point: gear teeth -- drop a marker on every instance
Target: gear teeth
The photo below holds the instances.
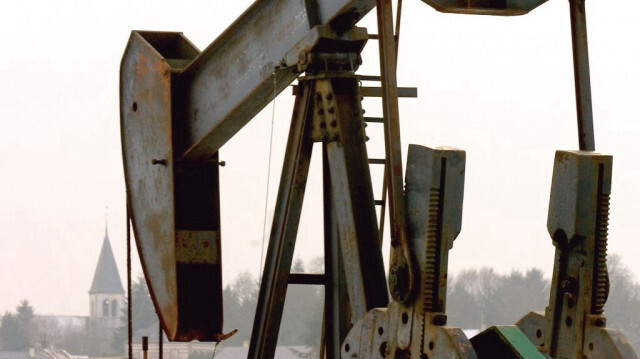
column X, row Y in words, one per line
column 601, row 274
column 430, row 285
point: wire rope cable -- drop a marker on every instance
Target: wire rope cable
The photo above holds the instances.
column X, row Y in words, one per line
column 266, row 200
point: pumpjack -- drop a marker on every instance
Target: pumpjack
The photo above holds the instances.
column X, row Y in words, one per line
column 179, row 106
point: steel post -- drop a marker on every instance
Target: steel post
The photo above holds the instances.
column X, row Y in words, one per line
column 336, row 321
column 582, row 79
column 286, row 218
column 353, row 201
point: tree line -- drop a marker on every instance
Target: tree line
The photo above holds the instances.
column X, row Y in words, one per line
column 476, row 299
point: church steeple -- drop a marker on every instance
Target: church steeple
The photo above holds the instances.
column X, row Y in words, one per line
column 106, row 221
column 106, row 278
column 106, row 296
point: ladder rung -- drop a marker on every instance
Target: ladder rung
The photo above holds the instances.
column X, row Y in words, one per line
column 377, row 37
column 307, row 278
column 377, row 161
column 377, row 91
column 374, row 119
column 379, row 202
column 369, row 77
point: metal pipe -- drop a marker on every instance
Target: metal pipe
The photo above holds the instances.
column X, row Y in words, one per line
column 581, row 75
column 160, row 338
column 401, row 277
column 129, row 309
column 145, row 347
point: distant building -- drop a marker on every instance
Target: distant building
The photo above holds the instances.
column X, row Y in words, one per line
column 106, row 296
column 39, row 354
column 195, row 349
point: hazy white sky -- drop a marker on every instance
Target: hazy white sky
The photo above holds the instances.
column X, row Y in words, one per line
column 499, row 88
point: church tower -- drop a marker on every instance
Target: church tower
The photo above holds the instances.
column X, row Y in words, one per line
column 106, row 295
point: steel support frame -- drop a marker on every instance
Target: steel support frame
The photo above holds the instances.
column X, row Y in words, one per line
column 336, row 322
column 286, row 218
column 355, row 270
column 233, row 78
column 353, row 203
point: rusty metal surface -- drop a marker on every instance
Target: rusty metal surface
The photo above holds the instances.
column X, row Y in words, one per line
column 607, row 343
column 146, row 135
column 353, row 198
column 286, row 218
column 577, row 223
column 322, row 38
column 336, row 320
column 352, row 228
column 573, row 325
column 401, row 276
column 174, row 204
column 380, row 334
column 486, row 7
column 232, row 80
column 534, row 326
column 434, row 196
column 367, row 91
column 574, row 191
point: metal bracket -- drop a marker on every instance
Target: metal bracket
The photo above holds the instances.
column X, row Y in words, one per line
column 573, row 325
column 325, row 122
column 323, row 39
column 486, row 7
column 434, row 193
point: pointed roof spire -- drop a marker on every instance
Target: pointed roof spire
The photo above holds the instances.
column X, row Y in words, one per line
column 106, row 221
column 106, row 278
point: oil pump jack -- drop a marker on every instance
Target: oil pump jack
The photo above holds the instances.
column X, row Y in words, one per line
column 179, row 106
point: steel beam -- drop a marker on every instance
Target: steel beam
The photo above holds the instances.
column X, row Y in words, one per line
column 485, row 7
column 286, row 218
column 336, row 320
column 352, row 200
column 233, row 78
column 174, row 204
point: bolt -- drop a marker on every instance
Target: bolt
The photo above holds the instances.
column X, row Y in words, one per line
column 222, row 163
column 158, row 162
